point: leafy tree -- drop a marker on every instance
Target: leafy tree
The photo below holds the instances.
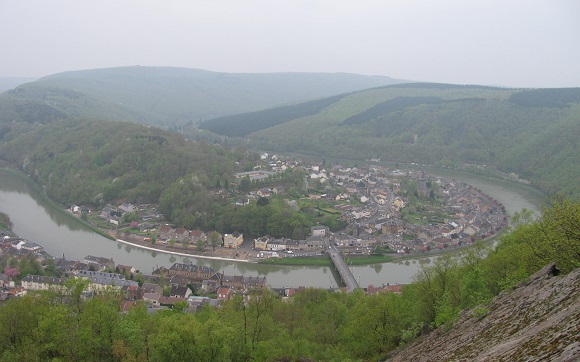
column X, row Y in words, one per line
column 556, row 235
column 5, row 221
column 130, row 217
column 263, row 201
column 214, row 239
column 245, row 184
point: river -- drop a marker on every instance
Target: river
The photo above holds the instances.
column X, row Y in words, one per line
column 38, row 221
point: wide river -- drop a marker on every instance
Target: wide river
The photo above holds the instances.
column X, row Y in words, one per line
column 38, row 221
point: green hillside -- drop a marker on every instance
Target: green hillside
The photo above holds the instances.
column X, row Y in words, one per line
column 530, row 133
column 170, row 97
column 90, row 162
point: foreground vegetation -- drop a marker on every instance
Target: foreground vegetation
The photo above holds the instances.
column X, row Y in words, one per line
column 315, row 324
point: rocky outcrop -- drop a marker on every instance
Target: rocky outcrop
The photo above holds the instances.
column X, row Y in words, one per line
column 537, row 321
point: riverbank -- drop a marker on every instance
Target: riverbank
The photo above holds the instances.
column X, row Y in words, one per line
column 182, row 254
column 244, row 256
column 4, row 167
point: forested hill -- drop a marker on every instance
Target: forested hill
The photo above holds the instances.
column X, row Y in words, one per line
column 91, row 162
column 169, row 97
column 530, row 133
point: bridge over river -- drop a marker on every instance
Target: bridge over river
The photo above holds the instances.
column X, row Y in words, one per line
column 345, row 273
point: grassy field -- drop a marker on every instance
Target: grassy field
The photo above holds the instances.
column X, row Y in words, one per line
column 325, row 260
column 365, row 260
column 318, row 261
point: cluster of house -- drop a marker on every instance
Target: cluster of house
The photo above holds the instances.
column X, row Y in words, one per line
column 371, row 201
column 114, row 214
column 207, row 280
column 180, row 279
column 319, row 239
column 167, row 232
column 375, row 219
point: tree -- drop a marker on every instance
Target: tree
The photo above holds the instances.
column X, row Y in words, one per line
column 245, row 184
column 200, row 244
column 214, row 239
column 5, row 221
column 263, row 201
column 556, row 235
column 131, row 216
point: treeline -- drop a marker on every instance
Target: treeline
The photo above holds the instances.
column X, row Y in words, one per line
column 557, row 97
column 390, row 106
column 313, row 325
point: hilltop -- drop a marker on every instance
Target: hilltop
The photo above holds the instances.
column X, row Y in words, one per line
column 7, row 83
column 521, row 134
column 170, row 97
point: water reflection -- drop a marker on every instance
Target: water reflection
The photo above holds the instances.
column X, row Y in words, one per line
column 20, row 185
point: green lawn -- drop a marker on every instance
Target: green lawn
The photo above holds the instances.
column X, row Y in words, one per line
column 325, row 260
column 318, row 261
column 365, row 260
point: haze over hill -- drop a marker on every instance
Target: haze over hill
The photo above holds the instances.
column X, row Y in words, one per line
column 7, row 83
column 169, row 97
column 531, row 133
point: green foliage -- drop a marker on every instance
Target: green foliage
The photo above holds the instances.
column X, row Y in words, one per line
column 131, row 216
column 556, row 235
column 314, row 325
column 88, row 162
column 215, row 239
column 445, row 312
column 5, row 222
column 546, row 97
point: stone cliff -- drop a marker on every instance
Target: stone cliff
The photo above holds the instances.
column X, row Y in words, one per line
column 537, row 321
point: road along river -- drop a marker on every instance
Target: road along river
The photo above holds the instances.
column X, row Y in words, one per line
column 36, row 219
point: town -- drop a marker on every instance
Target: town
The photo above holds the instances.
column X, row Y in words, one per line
column 385, row 210
column 400, row 211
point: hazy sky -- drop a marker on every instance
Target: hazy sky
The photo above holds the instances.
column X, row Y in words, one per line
column 528, row 43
